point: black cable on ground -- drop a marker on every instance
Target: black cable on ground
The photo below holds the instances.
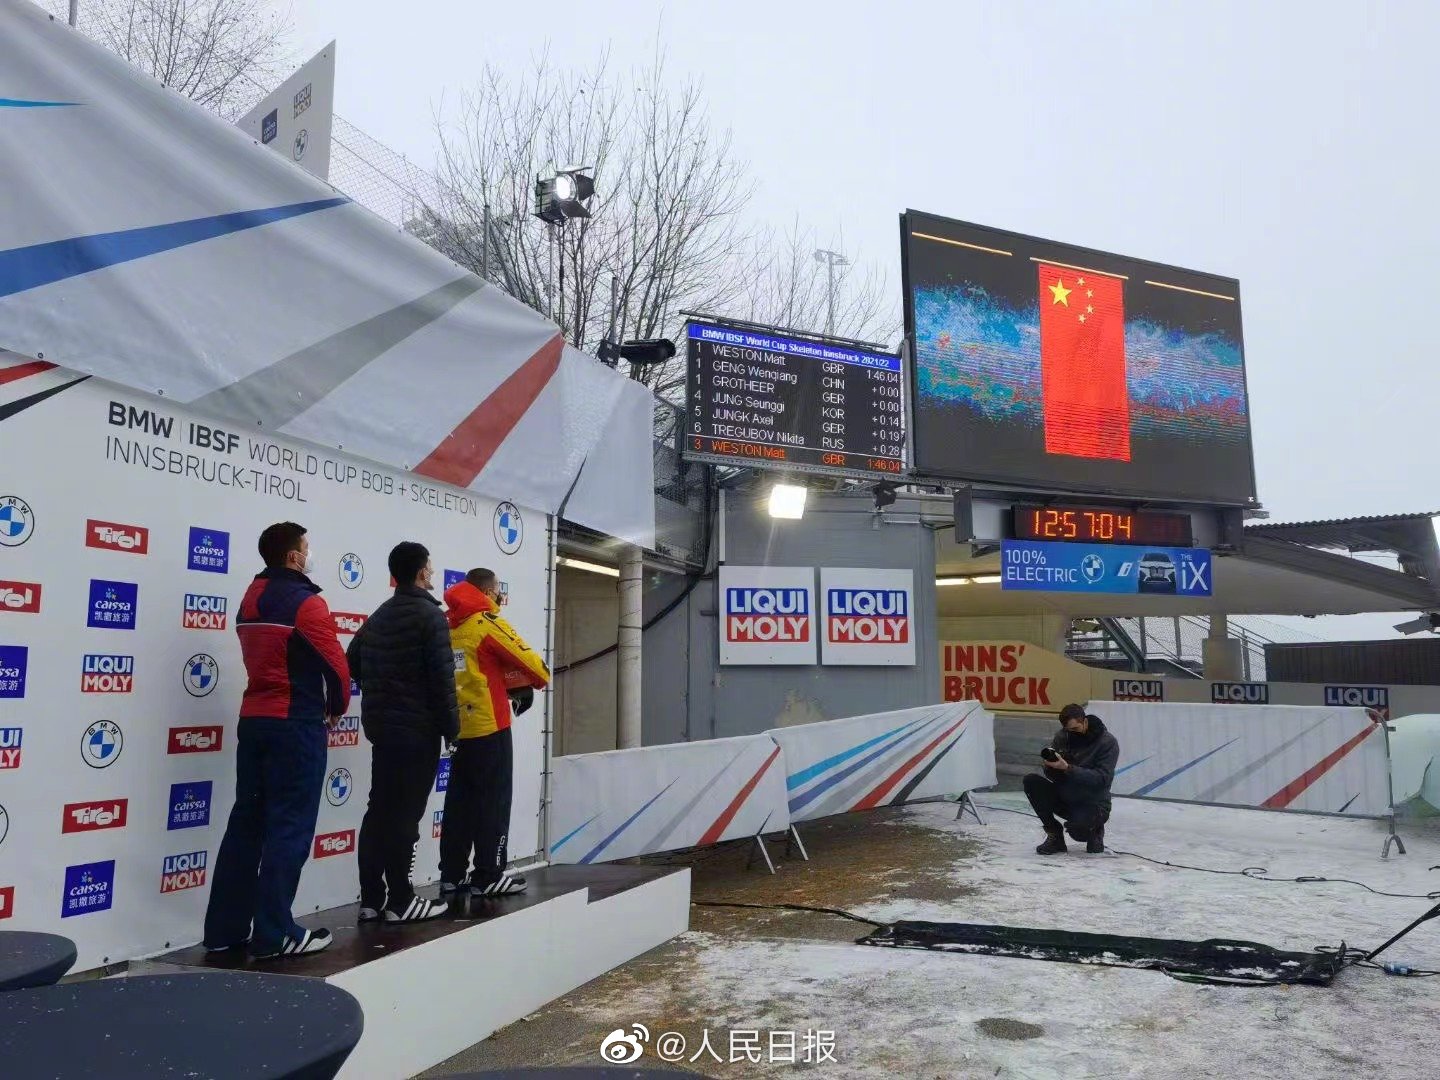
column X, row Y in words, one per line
column 791, row 907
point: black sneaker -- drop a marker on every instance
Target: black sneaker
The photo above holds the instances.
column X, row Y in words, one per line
column 418, row 910
column 1096, row 844
column 311, row 941
column 227, row 948
column 506, row 885
column 1054, row 843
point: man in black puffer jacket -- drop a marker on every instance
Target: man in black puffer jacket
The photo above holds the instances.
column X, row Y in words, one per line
column 1076, row 782
column 402, row 660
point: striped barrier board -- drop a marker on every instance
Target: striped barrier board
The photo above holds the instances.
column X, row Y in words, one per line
column 622, row 803
column 1270, row 757
column 884, row 759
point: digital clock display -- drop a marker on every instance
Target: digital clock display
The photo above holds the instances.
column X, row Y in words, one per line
column 1102, row 525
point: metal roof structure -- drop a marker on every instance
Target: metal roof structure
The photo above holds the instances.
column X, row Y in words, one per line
column 1414, row 539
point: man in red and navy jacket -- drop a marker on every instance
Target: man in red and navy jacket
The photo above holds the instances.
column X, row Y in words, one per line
column 298, row 681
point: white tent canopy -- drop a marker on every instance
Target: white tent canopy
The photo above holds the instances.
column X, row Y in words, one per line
column 147, row 242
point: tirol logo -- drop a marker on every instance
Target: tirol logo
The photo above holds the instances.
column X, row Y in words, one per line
column 11, row 739
column 1375, row 698
column 101, row 744
column 201, row 675
column 209, row 551
column 509, row 528
column 114, row 605
column 7, row 897
column 453, row 578
column 437, row 824
column 22, row 597
column 346, row 732
column 754, row 614
column 108, row 536
column 352, row 570
column 14, row 660
column 334, row 843
column 181, row 872
column 205, row 612
column 196, row 740
column 93, row 816
column 338, row 786
column 1239, row 693
column 190, row 805
column 442, row 775
column 17, row 521
column 104, row 673
column 88, row 887
column 348, row 622
column 1139, row 690
column 867, row 616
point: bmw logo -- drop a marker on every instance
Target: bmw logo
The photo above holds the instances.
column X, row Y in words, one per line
column 509, row 528
column 17, row 521
column 101, row 744
column 338, row 786
column 4, row 824
column 202, row 675
column 302, row 142
column 352, row 570
column 1093, row 567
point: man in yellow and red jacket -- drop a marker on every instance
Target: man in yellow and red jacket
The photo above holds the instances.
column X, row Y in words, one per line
column 491, row 660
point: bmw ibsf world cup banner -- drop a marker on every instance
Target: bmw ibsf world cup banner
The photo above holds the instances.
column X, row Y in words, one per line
column 1045, row 566
column 869, row 616
column 128, row 531
column 767, row 615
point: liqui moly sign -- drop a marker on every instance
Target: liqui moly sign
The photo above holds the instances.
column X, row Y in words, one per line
column 767, row 615
column 1374, row 698
column 869, row 616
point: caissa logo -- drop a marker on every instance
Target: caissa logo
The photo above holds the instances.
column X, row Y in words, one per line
column 190, row 804
column 88, row 887
column 509, row 528
column 101, row 744
column 113, row 605
column 17, row 521
column 338, row 786
column 14, row 662
column 352, row 570
column 209, row 551
column 442, row 775
column 201, row 675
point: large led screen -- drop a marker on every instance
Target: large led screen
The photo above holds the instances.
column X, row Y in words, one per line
column 1049, row 366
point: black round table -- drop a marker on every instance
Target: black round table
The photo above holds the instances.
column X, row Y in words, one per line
column 28, row 959
column 216, row 1025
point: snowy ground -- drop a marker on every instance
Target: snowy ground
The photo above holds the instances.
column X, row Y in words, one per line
column 898, row 1013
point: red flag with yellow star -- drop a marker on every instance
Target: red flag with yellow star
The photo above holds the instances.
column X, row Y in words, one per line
column 1082, row 364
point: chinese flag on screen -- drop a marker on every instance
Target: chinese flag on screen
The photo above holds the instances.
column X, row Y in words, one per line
column 1082, row 364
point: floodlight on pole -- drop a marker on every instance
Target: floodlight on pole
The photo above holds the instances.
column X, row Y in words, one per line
column 564, row 195
column 831, row 259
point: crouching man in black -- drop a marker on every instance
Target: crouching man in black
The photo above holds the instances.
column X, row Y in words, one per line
column 1079, row 768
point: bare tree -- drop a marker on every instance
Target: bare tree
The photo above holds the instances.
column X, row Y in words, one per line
column 787, row 289
column 668, row 226
column 222, row 54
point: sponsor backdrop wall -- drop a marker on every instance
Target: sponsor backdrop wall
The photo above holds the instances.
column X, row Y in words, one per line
column 127, row 538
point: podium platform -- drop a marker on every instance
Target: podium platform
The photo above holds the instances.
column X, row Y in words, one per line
column 431, row 989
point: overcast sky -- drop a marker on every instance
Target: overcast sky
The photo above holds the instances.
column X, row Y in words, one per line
column 1289, row 144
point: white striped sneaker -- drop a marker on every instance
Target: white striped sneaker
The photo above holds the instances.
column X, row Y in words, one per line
column 418, row 910
column 312, row 941
column 507, row 885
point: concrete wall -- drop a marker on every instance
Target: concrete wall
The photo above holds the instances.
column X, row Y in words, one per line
column 689, row 696
column 587, row 608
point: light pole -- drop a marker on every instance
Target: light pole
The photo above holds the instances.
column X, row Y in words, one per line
column 831, row 259
column 74, row 11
